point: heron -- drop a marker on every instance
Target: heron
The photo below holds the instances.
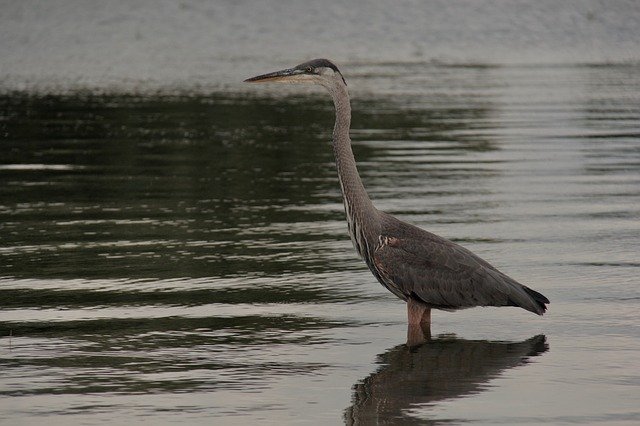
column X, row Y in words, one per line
column 423, row 269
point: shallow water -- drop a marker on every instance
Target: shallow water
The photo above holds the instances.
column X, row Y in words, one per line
column 185, row 258
column 195, row 45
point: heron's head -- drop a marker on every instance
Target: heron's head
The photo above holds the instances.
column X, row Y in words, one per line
column 317, row 71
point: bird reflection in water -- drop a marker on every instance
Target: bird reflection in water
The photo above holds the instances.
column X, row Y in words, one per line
column 441, row 368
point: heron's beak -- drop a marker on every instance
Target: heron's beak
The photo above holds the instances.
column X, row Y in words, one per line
column 290, row 75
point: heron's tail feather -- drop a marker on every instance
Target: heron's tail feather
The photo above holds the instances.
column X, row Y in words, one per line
column 540, row 300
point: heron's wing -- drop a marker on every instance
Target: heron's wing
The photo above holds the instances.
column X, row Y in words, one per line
column 445, row 275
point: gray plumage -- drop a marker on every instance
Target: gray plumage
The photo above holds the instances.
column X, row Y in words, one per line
column 415, row 265
column 443, row 274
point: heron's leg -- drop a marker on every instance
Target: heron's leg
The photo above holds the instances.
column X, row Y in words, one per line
column 419, row 322
column 418, row 334
column 418, row 313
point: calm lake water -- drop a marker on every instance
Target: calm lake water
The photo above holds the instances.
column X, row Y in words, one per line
column 185, row 258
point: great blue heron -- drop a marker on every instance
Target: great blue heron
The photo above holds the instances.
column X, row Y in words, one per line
column 421, row 268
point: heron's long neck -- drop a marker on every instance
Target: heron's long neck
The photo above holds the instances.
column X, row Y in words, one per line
column 361, row 214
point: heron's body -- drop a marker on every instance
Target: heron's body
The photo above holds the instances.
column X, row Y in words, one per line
column 421, row 268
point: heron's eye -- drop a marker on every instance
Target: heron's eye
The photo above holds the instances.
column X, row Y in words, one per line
column 309, row 69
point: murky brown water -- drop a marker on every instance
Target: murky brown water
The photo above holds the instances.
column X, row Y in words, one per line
column 185, row 259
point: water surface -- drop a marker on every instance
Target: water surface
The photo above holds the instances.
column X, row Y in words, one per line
column 182, row 259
